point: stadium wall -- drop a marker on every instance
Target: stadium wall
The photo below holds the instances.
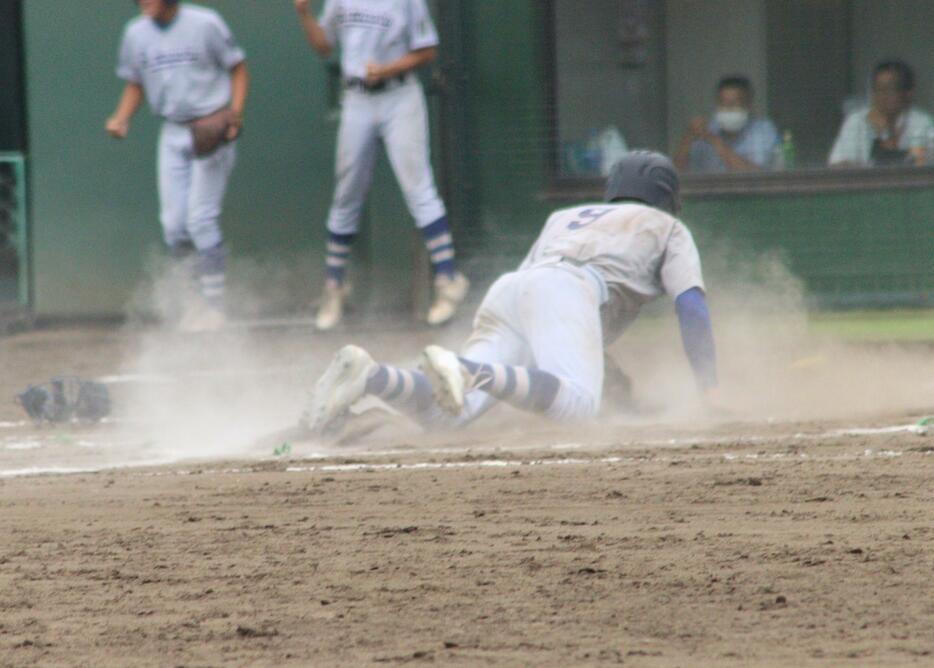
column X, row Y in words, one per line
column 94, row 217
column 94, row 202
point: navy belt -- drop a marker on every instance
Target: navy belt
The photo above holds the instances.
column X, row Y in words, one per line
column 356, row 83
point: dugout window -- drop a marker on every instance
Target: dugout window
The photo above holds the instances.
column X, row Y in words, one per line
column 635, row 73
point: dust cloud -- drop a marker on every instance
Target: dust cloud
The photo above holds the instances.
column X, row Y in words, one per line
column 209, row 395
column 218, row 395
column 772, row 363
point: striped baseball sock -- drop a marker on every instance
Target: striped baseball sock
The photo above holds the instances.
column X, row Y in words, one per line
column 212, row 264
column 440, row 245
column 522, row 387
column 338, row 255
column 409, row 391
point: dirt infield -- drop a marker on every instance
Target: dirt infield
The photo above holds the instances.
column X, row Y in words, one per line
column 654, row 542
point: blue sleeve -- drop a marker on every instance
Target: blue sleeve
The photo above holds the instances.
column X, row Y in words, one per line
column 697, row 336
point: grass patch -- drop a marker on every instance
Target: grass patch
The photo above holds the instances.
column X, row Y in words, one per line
column 876, row 326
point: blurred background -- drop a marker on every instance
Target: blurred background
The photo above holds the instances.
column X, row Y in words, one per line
column 772, row 108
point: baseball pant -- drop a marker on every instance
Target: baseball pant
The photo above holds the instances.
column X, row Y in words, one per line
column 398, row 116
column 191, row 190
column 546, row 318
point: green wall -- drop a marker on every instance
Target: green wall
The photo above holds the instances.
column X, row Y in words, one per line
column 94, row 209
column 508, row 117
column 870, row 248
column 94, row 215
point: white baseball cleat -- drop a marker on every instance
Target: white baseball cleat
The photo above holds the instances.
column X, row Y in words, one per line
column 449, row 292
column 447, row 377
column 341, row 385
column 331, row 306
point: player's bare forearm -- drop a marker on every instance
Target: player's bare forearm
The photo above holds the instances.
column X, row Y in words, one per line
column 407, row 63
column 314, row 33
column 683, row 154
column 239, row 88
column 118, row 125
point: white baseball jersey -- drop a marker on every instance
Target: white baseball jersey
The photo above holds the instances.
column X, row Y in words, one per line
column 184, row 67
column 376, row 31
column 639, row 252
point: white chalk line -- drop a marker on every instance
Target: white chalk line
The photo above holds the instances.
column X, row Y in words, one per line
column 210, row 374
column 867, row 454
column 516, row 463
column 644, row 444
column 67, row 470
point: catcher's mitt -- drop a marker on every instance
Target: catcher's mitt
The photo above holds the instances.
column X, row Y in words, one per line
column 65, row 399
column 209, row 132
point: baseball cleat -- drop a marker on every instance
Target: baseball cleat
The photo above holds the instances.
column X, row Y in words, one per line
column 341, row 385
column 449, row 292
column 331, row 308
column 446, row 375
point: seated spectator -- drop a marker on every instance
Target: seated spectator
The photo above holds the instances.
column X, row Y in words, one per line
column 890, row 131
column 734, row 139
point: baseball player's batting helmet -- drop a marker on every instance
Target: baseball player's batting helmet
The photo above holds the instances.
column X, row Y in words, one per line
column 645, row 176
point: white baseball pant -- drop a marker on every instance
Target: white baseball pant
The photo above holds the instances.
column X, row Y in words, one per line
column 547, row 318
column 191, row 190
column 398, row 116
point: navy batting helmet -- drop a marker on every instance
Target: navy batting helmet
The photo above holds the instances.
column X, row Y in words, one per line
column 646, row 176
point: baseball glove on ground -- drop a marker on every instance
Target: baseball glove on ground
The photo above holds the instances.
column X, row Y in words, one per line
column 66, row 399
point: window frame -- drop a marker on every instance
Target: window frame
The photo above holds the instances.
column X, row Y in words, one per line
column 813, row 180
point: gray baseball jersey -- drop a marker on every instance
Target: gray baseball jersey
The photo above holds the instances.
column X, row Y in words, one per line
column 639, row 252
column 184, row 67
column 376, row 31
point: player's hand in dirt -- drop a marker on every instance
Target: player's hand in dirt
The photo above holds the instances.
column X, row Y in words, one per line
column 117, row 128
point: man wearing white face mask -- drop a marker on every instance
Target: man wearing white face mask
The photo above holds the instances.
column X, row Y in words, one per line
column 734, row 139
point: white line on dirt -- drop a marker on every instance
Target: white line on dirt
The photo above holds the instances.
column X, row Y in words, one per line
column 645, row 444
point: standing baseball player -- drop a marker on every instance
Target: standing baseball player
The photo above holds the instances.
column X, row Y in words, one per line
column 382, row 43
column 186, row 62
column 540, row 333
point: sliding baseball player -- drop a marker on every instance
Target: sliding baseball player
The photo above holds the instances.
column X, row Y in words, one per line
column 540, row 333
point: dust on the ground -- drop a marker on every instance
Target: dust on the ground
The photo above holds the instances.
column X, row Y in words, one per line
column 772, row 536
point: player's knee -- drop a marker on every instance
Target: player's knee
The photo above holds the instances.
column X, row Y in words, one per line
column 574, row 404
column 343, row 222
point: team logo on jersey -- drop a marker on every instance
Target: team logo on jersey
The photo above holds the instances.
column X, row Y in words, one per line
column 162, row 60
column 361, row 19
